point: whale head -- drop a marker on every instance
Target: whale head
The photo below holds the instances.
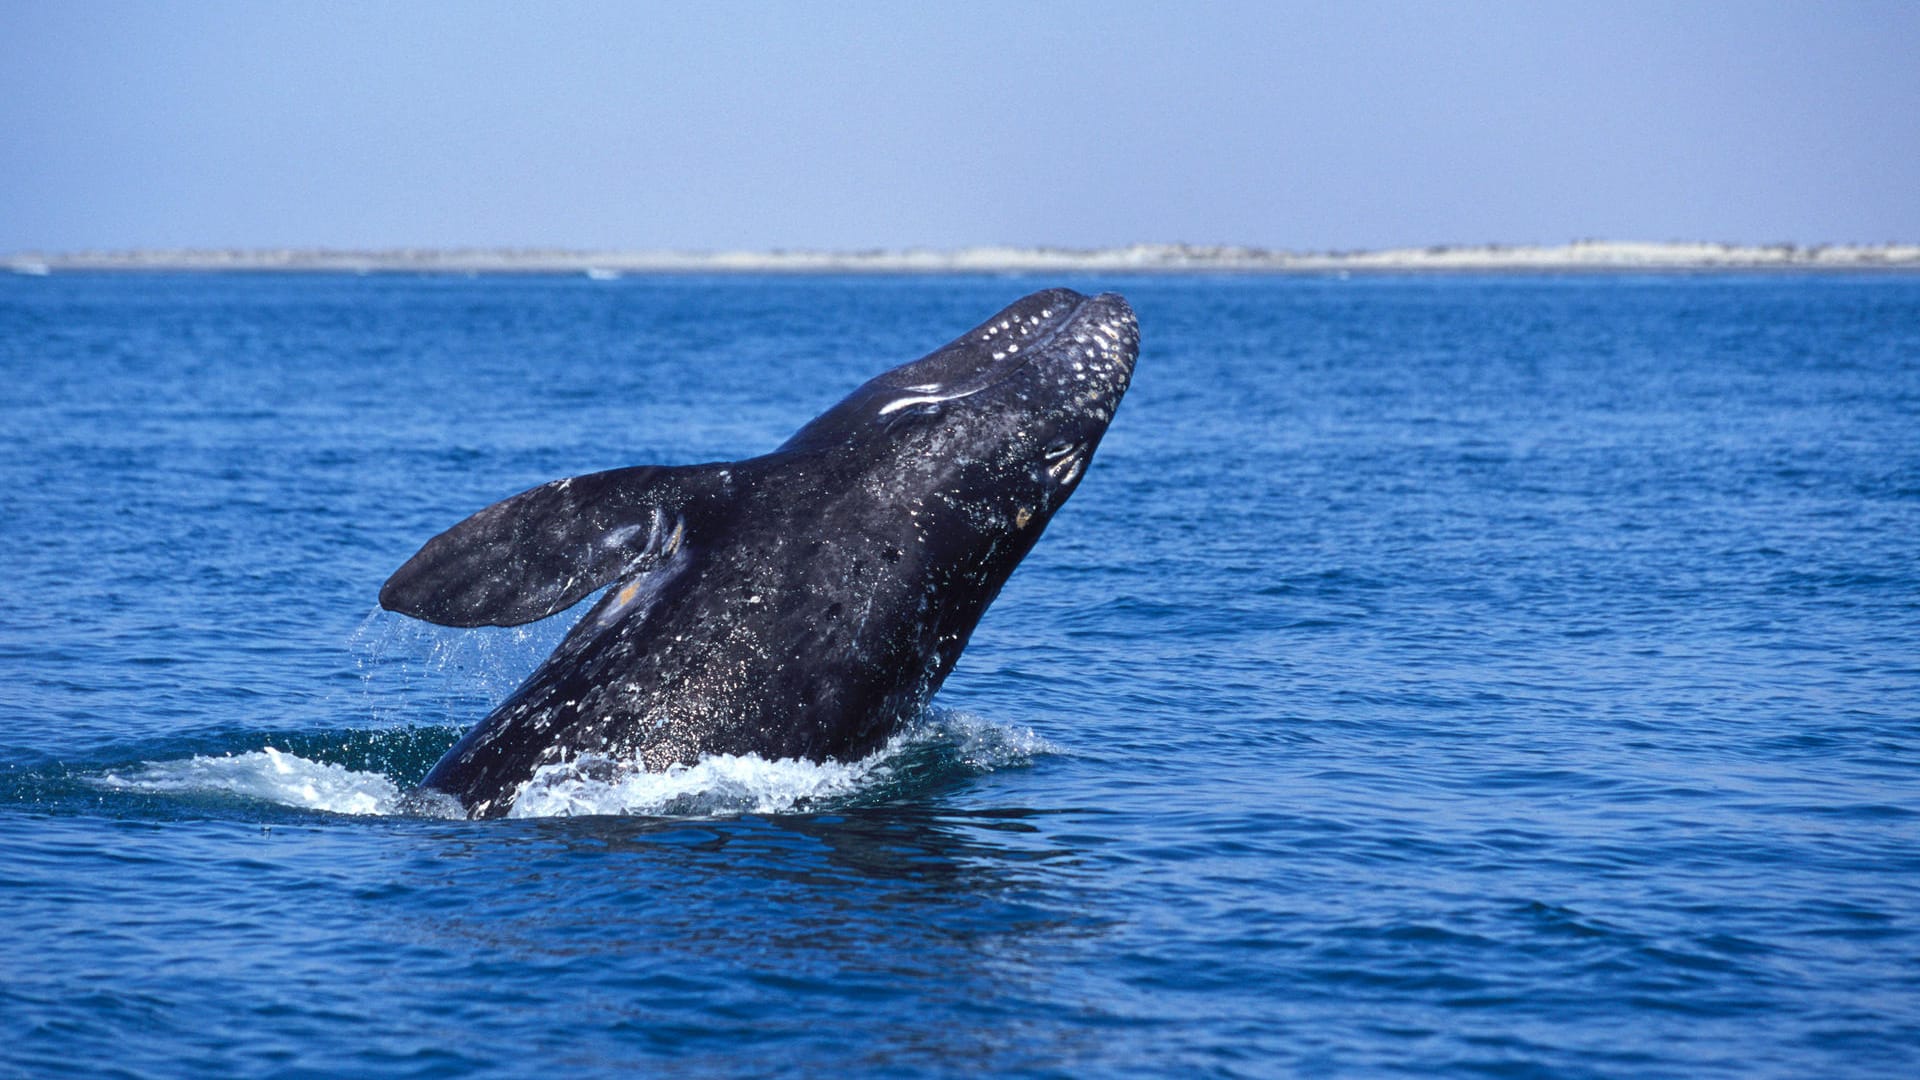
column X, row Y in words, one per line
column 1002, row 421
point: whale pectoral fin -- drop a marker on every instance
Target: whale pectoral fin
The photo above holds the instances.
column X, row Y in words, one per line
column 543, row 550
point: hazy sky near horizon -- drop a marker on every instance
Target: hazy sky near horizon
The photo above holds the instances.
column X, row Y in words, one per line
column 861, row 125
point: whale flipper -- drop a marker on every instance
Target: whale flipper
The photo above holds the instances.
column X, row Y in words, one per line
column 541, row 551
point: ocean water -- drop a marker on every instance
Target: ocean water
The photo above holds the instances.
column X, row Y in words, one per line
column 1462, row 676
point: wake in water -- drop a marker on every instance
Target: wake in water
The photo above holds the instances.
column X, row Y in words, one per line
column 269, row 775
column 940, row 744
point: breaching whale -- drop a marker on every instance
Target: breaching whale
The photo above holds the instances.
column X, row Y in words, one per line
column 800, row 604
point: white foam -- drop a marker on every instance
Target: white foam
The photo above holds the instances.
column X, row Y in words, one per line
column 722, row 784
column 269, row 775
column 750, row 784
column 595, row 784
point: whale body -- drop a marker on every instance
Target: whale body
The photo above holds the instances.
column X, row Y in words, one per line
column 800, row 604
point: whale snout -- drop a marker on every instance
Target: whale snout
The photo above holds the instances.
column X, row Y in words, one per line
column 1076, row 338
column 1110, row 325
column 1050, row 350
column 1035, row 321
column 1090, row 358
column 1056, row 351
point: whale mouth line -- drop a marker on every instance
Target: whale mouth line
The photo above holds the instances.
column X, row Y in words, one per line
column 892, row 407
column 929, row 398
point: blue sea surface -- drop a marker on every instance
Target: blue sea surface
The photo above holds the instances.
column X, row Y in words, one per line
column 1433, row 676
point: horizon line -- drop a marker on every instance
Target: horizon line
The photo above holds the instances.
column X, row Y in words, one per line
column 990, row 258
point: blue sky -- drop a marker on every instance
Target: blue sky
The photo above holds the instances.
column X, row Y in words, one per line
column 852, row 125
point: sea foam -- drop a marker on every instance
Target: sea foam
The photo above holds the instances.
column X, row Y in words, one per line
column 942, row 742
column 724, row 784
column 268, row 775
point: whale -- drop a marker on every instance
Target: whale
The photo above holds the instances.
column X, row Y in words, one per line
column 805, row 603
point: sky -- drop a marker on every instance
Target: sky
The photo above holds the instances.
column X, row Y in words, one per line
column 852, row 125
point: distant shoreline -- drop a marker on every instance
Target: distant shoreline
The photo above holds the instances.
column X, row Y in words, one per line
column 1584, row 256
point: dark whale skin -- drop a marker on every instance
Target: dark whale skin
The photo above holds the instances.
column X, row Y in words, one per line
column 801, row 604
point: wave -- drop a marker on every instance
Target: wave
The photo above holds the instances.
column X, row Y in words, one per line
column 941, row 744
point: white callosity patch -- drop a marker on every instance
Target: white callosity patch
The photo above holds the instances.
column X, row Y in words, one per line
column 269, row 775
column 1104, row 353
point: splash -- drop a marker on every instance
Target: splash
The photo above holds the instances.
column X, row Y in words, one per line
column 404, row 662
column 722, row 784
column 941, row 744
column 268, row 775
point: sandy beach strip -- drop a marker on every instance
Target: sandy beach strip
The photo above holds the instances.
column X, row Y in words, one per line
column 1594, row 256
